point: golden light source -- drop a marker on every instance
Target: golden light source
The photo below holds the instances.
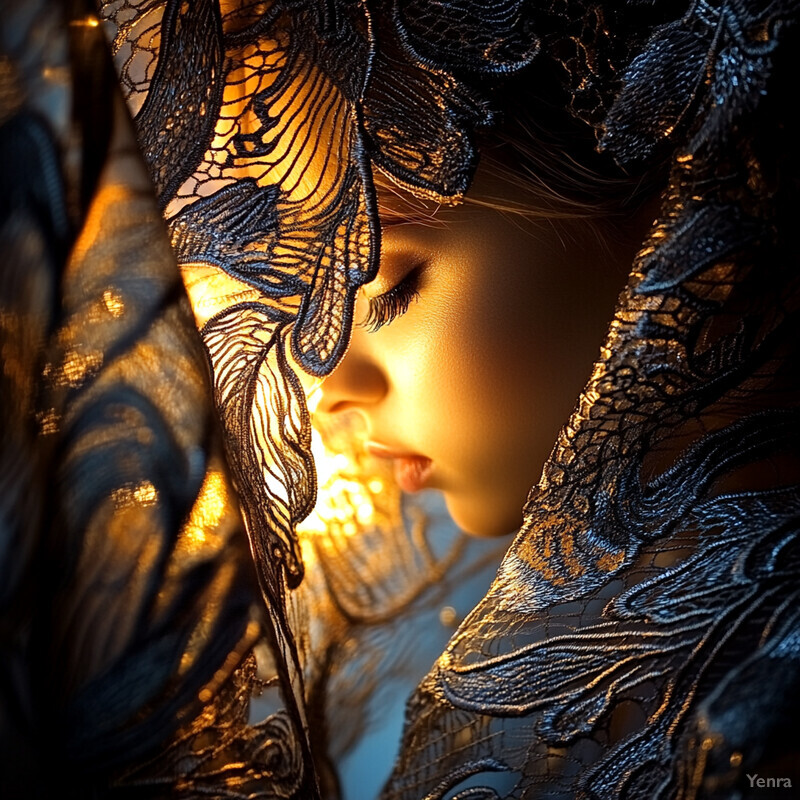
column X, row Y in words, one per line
column 87, row 22
column 355, row 492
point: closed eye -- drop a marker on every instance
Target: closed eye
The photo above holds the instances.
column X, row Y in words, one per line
column 386, row 307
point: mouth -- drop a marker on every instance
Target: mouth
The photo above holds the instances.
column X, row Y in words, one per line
column 411, row 470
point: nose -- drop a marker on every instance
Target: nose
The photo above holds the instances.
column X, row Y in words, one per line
column 357, row 383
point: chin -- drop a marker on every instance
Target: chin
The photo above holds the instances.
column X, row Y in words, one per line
column 482, row 518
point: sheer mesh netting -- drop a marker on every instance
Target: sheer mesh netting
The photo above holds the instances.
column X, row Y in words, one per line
column 641, row 638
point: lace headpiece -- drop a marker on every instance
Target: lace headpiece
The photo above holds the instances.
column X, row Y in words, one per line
column 596, row 666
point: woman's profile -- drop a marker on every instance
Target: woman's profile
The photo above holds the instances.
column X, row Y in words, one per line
column 475, row 338
column 431, row 209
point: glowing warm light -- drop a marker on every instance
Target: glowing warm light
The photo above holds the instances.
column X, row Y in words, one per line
column 352, row 496
column 113, row 303
column 143, row 494
column 314, row 397
column 77, row 366
column 48, row 422
column 210, row 290
column 286, row 157
column 207, row 512
column 86, row 22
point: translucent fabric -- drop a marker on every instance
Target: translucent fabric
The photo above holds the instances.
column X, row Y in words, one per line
column 641, row 637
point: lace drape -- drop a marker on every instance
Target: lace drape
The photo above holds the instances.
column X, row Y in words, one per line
column 640, row 638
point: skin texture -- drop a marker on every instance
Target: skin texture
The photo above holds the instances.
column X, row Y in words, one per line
column 486, row 364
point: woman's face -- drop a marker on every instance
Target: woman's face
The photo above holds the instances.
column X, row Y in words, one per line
column 481, row 331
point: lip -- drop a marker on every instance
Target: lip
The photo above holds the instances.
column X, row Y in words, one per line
column 411, row 470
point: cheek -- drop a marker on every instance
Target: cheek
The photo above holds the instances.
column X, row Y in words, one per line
column 486, row 367
column 521, row 326
column 476, row 377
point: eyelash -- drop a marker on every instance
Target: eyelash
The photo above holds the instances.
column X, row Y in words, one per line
column 390, row 305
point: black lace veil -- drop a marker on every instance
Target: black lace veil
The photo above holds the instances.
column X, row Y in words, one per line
column 640, row 639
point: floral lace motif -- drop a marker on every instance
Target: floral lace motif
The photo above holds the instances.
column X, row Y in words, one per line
column 640, row 640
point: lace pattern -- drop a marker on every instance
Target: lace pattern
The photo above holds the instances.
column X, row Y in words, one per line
column 633, row 587
column 654, row 582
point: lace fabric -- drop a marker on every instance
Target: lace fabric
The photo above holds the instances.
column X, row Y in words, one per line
column 128, row 587
column 607, row 659
column 640, row 638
